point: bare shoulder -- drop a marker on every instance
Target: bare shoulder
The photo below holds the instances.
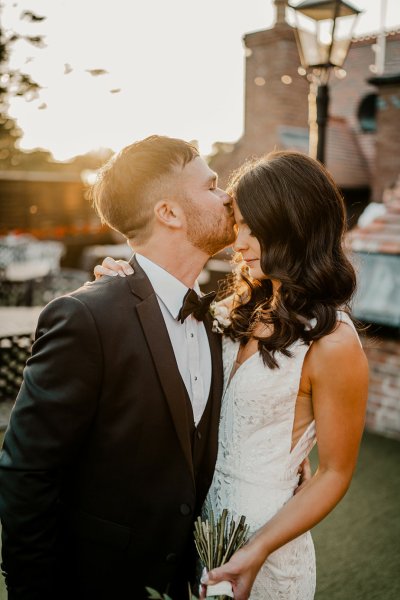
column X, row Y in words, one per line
column 342, row 337
column 338, row 352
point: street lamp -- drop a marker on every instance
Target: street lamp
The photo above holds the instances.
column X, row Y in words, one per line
column 324, row 31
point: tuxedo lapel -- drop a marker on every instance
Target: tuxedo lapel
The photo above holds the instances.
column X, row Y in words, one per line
column 161, row 349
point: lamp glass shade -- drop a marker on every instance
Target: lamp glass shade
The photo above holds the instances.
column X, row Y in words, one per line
column 326, row 9
column 324, row 31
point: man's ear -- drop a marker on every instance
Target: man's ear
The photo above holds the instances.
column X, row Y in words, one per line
column 169, row 214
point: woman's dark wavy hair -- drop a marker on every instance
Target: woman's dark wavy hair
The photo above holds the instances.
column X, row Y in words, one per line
column 295, row 210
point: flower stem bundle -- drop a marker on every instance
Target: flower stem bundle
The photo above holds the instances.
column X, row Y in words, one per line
column 217, row 541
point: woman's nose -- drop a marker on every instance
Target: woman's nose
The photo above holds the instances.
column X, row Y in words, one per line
column 240, row 243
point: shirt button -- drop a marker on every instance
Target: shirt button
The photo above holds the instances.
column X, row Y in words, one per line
column 185, row 510
column 195, row 377
column 192, row 335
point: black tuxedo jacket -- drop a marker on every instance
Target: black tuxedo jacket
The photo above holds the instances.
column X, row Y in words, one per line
column 98, row 487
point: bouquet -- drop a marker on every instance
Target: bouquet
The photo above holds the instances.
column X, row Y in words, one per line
column 216, row 542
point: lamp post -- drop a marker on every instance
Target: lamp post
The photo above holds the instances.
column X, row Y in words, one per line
column 324, row 31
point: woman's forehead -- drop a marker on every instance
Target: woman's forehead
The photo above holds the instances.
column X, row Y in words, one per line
column 238, row 215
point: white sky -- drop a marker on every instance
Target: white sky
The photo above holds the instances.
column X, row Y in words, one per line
column 179, row 64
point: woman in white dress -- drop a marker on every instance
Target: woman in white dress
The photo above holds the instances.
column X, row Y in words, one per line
column 294, row 371
column 294, row 374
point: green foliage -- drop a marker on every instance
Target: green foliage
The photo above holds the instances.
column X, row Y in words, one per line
column 17, row 83
column 154, row 595
column 14, row 82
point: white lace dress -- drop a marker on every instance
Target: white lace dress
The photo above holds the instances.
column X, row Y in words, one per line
column 256, row 471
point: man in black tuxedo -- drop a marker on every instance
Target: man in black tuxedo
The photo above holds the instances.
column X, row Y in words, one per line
column 112, row 442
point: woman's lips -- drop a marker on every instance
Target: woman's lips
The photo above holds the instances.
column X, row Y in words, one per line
column 249, row 261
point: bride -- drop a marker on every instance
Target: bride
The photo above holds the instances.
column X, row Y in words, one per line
column 294, row 373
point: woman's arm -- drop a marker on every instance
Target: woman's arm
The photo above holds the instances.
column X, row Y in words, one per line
column 338, row 373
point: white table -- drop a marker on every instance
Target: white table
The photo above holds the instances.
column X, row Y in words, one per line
column 27, row 270
column 18, row 320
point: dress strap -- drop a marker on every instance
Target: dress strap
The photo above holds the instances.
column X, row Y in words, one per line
column 344, row 318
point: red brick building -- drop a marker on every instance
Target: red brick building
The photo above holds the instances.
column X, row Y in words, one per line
column 362, row 153
column 277, row 110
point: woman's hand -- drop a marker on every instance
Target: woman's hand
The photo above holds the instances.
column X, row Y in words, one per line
column 305, row 474
column 241, row 571
column 112, row 267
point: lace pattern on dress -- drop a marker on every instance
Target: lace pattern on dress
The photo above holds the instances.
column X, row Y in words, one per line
column 256, row 470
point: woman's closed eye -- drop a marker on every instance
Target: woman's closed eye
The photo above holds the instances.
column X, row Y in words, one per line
column 244, row 228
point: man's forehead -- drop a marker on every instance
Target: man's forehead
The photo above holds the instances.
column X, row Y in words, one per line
column 199, row 169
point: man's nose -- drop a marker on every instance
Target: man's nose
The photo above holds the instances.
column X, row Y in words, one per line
column 226, row 198
column 228, row 203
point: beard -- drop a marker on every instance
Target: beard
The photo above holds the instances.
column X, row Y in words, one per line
column 207, row 231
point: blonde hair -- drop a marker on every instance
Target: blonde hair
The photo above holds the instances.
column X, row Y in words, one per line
column 131, row 182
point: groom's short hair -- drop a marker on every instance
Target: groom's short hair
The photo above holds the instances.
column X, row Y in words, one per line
column 131, row 182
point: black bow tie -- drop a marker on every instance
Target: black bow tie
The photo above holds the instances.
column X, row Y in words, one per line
column 196, row 305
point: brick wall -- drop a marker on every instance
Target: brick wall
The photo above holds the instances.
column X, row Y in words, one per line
column 273, row 56
column 347, row 92
column 388, row 139
column 270, row 103
column 383, row 411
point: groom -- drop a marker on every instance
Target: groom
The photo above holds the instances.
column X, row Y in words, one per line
column 112, row 442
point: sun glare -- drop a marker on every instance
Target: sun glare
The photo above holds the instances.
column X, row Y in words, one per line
column 112, row 73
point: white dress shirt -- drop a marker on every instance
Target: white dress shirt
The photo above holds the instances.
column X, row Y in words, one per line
column 189, row 339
